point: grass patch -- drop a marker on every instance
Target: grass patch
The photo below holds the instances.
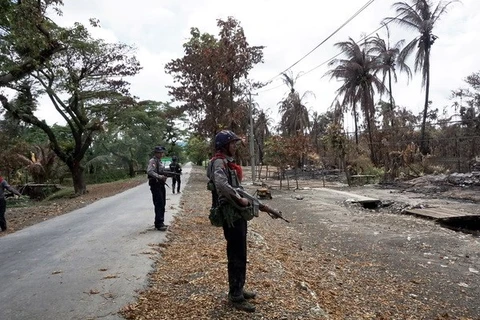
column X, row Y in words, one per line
column 21, row 202
column 63, row 193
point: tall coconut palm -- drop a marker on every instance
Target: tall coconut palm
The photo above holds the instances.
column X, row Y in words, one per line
column 359, row 83
column 295, row 119
column 388, row 60
column 420, row 16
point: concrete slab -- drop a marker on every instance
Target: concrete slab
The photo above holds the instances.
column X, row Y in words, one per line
column 439, row 213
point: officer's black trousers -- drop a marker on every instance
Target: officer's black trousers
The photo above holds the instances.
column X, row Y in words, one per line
column 158, row 196
column 236, row 237
column 176, row 181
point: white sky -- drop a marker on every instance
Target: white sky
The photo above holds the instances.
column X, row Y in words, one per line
column 288, row 29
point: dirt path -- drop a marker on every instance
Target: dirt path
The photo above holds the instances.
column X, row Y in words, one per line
column 333, row 261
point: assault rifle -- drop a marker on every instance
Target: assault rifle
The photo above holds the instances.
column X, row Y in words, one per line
column 257, row 205
column 168, row 173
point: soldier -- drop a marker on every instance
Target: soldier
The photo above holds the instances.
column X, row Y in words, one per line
column 156, row 181
column 3, row 203
column 233, row 212
column 176, row 168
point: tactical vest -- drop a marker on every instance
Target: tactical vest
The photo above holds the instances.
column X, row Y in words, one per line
column 226, row 212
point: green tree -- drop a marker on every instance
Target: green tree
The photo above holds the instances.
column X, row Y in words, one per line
column 131, row 135
column 420, row 16
column 28, row 38
column 85, row 85
column 197, row 149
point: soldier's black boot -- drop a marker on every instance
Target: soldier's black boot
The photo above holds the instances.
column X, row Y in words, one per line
column 249, row 294
column 239, row 303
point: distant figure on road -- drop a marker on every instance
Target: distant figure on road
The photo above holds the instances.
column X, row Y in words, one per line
column 156, row 181
column 176, row 168
column 233, row 214
column 3, row 203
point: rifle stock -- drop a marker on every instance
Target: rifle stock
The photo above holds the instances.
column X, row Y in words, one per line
column 273, row 213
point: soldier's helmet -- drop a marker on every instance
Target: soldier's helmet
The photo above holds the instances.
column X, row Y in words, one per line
column 174, row 158
column 159, row 149
column 224, row 137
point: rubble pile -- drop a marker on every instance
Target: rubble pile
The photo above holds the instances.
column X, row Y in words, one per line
column 454, row 179
column 465, row 179
column 475, row 166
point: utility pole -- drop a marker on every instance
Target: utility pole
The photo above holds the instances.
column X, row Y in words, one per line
column 251, row 142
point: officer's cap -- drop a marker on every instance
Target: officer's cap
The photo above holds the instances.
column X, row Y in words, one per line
column 159, row 149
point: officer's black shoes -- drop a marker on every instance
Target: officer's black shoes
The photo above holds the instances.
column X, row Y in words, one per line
column 239, row 303
column 162, row 228
column 249, row 294
column 244, row 306
column 173, row 192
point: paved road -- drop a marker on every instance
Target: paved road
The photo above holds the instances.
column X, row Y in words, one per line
column 83, row 265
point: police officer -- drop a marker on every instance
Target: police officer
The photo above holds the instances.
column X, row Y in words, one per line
column 176, row 168
column 156, row 181
column 226, row 176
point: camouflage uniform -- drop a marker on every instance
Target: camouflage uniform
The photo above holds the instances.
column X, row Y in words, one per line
column 234, row 224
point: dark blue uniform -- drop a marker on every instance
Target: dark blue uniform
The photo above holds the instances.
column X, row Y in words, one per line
column 156, row 181
column 176, row 181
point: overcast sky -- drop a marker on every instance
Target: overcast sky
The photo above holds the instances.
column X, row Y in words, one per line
column 288, row 30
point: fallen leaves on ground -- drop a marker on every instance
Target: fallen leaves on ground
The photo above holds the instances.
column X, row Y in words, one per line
column 293, row 279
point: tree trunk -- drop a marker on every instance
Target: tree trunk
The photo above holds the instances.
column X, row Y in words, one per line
column 392, row 107
column 131, row 168
column 423, row 142
column 78, row 178
column 356, row 125
column 369, row 117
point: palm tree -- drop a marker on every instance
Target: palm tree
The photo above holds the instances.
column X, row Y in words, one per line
column 262, row 132
column 388, row 60
column 295, row 119
column 420, row 16
column 40, row 163
column 359, row 84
